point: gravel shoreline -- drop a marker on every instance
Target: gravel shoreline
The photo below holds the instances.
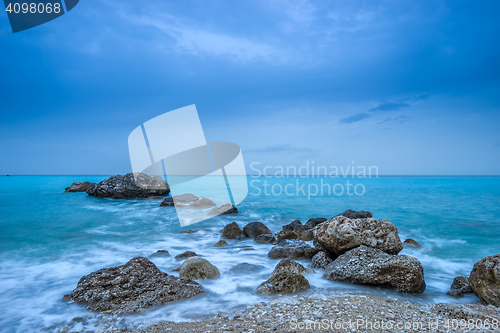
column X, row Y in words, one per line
column 350, row 313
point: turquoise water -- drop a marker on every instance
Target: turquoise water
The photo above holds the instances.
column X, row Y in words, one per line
column 49, row 239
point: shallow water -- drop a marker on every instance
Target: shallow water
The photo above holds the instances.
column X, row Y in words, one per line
column 49, row 239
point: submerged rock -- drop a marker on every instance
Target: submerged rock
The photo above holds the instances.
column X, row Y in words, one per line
column 367, row 265
column 185, row 198
column 185, row 255
column 198, row 268
column 411, row 242
column 292, row 249
column 245, row 267
column 254, row 229
column 265, row 239
column 485, row 280
column 220, row 243
column 290, row 266
column 224, row 210
column 341, row 234
column 283, row 283
column 203, row 203
column 79, row 187
column 321, row 260
column 353, row 214
column 232, row 231
column 167, row 202
column 128, row 186
column 131, row 288
column 160, row 253
column 460, row 287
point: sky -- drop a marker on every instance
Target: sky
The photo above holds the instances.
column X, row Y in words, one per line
column 412, row 87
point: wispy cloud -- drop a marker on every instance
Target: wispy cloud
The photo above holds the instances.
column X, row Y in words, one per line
column 398, row 119
column 288, row 148
column 355, row 118
column 390, row 106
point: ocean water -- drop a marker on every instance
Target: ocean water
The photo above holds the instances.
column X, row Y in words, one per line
column 50, row 239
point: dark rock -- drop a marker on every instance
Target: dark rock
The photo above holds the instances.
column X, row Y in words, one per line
column 160, row 253
column 321, row 260
column 79, row 187
column 232, row 231
column 315, row 221
column 128, row 186
column 245, row 268
column 295, row 230
column 167, row 202
column 220, row 243
column 367, row 265
column 485, row 280
column 282, row 235
column 198, row 268
column 265, row 239
column 352, row 214
column 460, row 287
column 131, row 288
column 290, row 248
column 341, row 234
column 185, row 255
column 203, row 203
column 157, row 197
column 283, row 283
column 176, row 269
column 185, row 198
column 411, row 242
column 224, row 210
column 310, row 252
column 290, row 266
column 190, row 231
column 255, row 229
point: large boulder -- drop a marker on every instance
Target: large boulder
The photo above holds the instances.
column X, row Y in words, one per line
column 79, row 187
column 283, row 283
column 290, row 266
column 198, row 268
column 353, row 214
column 315, row 221
column 367, row 265
column 254, row 229
column 341, row 234
column 132, row 185
column 292, row 249
column 321, row 260
column 224, row 210
column 130, row 288
column 485, row 280
column 232, row 231
column 245, row 267
column 460, row 287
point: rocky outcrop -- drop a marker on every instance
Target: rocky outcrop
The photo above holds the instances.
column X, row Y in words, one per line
column 167, row 202
column 411, row 243
column 291, row 249
column 128, row 186
column 224, row 210
column 232, row 231
column 203, row 203
column 79, row 187
column 295, row 230
column 245, row 267
column 283, row 283
column 265, row 239
column 160, row 253
column 341, row 234
column 290, row 266
column 197, row 268
column 367, row 265
column 321, row 260
column 315, row 221
column 185, row 255
column 131, row 288
column 220, row 243
column 254, row 229
column 460, row 287
column 353, row 214
column 485, row 280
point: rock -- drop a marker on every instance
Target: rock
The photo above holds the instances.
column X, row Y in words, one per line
column 283, row 283
column 290, row 266
column 341, row 234
column 232, row 231
column 156, row 197
column 411, row 242
column 185, row 255
column 185, row 198
column 190, row 231
column 485, row 280
column 224, row 210
column 167, row 202
column 176, row 269
column 220, row 243
column 460, row 287
column 321, row 260
column 464, row 312
column 295, row 230
column 125, row 187
column 198, row 268
column 315, row 221
column 290, row 248
column 255, row 229
column 245, row 267
column 160, row 253
column 352, row 214
column 79, row 187
column 367, row 265
column 203, row 203
column 131, row 288
column 265, row 239
column 282, row 235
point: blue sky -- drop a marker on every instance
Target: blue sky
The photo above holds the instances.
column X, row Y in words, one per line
column 412, row 87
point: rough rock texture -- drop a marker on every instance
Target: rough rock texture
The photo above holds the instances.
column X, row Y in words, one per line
column 130, row 288
column 315, row 221
column 283, row 283
column 245, row 267
column 224, row 210
column 477, row 312
column 290, row 248
column 254, row 229
column 411, row 242
column 295, row 230
column 265, row 239
column 185, row 255
column 341, row 234
column 203, row 203
column 485, row 280
column 232, row 231
column 367, row 265
column 353, row 214
column 220, row 243
column 79, row 187
column 282, row 235
column 321, row 260
column 198, row 268
column 160, row 253
column 167, row 202
column 290, row 266
column 125, row 187
column 460, row 287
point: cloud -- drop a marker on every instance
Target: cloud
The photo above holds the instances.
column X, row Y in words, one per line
column 288, row 148
column 421, row 97
column 355, row 118
column 398, row 119
column 389, row 107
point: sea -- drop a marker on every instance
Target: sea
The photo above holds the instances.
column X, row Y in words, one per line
column 50, row 239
